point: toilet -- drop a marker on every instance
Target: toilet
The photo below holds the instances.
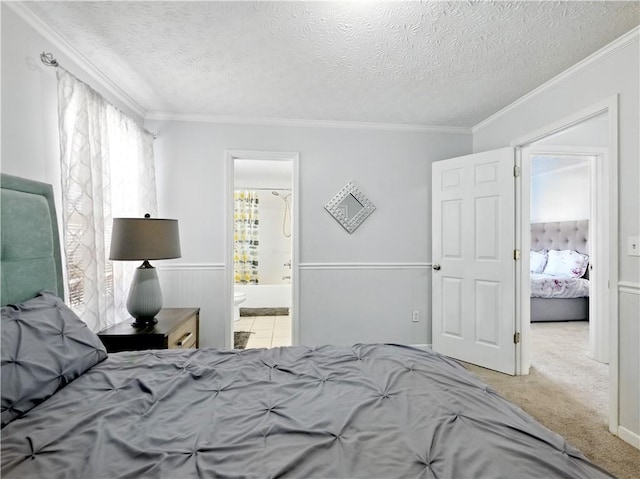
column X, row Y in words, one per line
column 238, row 299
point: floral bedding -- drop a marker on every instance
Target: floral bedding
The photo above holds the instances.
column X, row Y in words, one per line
column 547, row 286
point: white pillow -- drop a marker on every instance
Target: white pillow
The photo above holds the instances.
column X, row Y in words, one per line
column 537, row 261
column 566, row 263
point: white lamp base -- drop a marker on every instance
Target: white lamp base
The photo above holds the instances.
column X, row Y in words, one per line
column 145, row 296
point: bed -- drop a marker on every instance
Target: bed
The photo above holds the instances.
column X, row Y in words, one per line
column 563, row 296
column 371, row 410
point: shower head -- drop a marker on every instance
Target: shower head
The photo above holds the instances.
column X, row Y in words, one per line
column 277, row 193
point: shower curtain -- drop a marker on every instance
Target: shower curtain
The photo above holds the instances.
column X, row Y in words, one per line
column 245, row 232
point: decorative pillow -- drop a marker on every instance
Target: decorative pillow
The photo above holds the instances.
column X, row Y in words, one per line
column 537, row 261
column 566, row 263
column 44, row 347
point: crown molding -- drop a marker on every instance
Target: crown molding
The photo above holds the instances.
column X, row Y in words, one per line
column 234, row 120
column 71, row 52
column 619, row 44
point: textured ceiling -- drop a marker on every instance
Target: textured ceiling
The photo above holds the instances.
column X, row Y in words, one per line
column 424, row 63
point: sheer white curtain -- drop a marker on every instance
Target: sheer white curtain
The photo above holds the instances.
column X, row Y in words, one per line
column 107, row 171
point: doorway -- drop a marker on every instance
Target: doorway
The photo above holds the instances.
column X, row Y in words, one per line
column 598, row 124
column 563, row 190
column 564, row 303
column 456, row 326
column 261, row 232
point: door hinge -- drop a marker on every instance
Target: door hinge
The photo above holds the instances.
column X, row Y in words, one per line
column 516, row 254
column 516, row 338
column 516, row 171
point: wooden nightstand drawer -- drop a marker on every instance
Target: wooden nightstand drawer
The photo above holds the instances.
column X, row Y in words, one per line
column 176, row 328
column 184, row 337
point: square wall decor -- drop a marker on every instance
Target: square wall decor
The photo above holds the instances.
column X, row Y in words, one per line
column 350, row 207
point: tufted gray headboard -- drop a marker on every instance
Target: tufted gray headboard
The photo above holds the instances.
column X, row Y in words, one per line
column 30, row 258
column 573, row 235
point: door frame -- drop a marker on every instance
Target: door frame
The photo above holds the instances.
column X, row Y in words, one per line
column 607, row 242
column 230, row 157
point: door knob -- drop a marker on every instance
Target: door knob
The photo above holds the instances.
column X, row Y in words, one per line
column 436, row 267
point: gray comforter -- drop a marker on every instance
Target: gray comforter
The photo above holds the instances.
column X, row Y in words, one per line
column 374, row 411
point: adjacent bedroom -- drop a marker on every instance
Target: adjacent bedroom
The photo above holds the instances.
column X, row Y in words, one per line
column 562, row 309
column 320, row 239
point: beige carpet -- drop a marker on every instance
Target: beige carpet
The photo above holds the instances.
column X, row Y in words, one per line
column 568, row 392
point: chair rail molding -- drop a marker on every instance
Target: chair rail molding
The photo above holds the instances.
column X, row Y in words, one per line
column 191, row 267
column 628, row 287
column 360, row 266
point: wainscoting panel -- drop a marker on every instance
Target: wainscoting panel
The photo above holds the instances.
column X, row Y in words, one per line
column 340, row 303
column 629, row 334
column 202, row 286
column 350, row 303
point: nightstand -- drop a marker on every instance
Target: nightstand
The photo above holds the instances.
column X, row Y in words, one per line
column 177, row 328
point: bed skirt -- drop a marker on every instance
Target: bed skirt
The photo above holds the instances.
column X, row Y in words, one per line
column 559, row 309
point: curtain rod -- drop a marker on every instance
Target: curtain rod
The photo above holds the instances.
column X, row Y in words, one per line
column 49, row 60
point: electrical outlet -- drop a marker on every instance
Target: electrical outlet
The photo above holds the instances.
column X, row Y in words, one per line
column 633, row 246
column 415, row 316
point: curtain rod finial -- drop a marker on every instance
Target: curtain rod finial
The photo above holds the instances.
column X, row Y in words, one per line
column 47, row 59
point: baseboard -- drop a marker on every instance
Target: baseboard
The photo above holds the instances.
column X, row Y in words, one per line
column 629, row 437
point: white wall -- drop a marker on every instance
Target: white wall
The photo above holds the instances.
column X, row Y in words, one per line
column 274, row 249
column 614, row 74
column 391, row 167
column 561, row 195
column 382, row 268
column 593, row 132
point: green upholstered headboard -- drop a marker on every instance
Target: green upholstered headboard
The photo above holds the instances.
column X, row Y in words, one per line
column 30, row 247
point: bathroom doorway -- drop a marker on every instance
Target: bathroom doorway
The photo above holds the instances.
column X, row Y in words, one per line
column 262, row 248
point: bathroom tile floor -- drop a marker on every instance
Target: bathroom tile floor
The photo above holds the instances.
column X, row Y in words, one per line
column 268, row 331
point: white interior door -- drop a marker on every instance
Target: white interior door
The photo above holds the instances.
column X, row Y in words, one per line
column 474, row 314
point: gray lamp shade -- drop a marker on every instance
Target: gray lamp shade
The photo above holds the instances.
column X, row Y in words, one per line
column 144, row 239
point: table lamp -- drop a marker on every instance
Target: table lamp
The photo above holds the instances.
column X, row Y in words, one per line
column 135, row 239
